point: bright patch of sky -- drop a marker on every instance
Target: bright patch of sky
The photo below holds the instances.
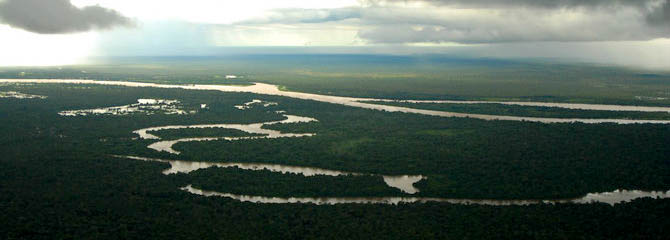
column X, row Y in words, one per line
column 22, row 48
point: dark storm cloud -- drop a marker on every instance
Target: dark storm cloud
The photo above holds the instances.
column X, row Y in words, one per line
column 525, row 3
column 492, row 21
column 510, row 25
column 657, row 11
column 58, row 16
column 660, row 16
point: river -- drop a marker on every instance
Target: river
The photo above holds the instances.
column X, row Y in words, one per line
column 268, row 89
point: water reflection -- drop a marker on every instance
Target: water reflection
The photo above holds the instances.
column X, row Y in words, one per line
column 179, row 166
column 611, row 198
column 254, row 128
column 404, row 183
column 248, row 105
column 146, row 106
column 13, row 94
column 268, row 89
column 574, row 106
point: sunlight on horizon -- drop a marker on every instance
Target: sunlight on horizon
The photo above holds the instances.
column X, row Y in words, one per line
column 22, row 48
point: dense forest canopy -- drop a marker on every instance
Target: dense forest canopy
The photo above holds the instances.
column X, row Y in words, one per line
column 61, row 179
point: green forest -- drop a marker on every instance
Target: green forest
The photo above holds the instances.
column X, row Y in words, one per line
column 387, row 76
column 61, row 181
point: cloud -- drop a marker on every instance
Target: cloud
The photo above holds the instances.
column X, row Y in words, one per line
column 58, row 16
column 521, row 3
column 657, row 11
column 298, row 15
column 509, row 25
column 660, row 16
column 489, row 21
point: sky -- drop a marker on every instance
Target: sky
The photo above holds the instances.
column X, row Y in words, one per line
column 61, row 32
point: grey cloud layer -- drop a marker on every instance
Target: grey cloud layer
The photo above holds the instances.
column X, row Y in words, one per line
column 660, row 16
column 58, row 16
column 294, row 15
column 657, row 12
column 511, row 25
column 490, row 21
column 524, row 3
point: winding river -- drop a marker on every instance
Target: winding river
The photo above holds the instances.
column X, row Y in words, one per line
column 268, row 89
column 254, row 128
column 611, row 198
column 404, row 183
column 575, row 106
